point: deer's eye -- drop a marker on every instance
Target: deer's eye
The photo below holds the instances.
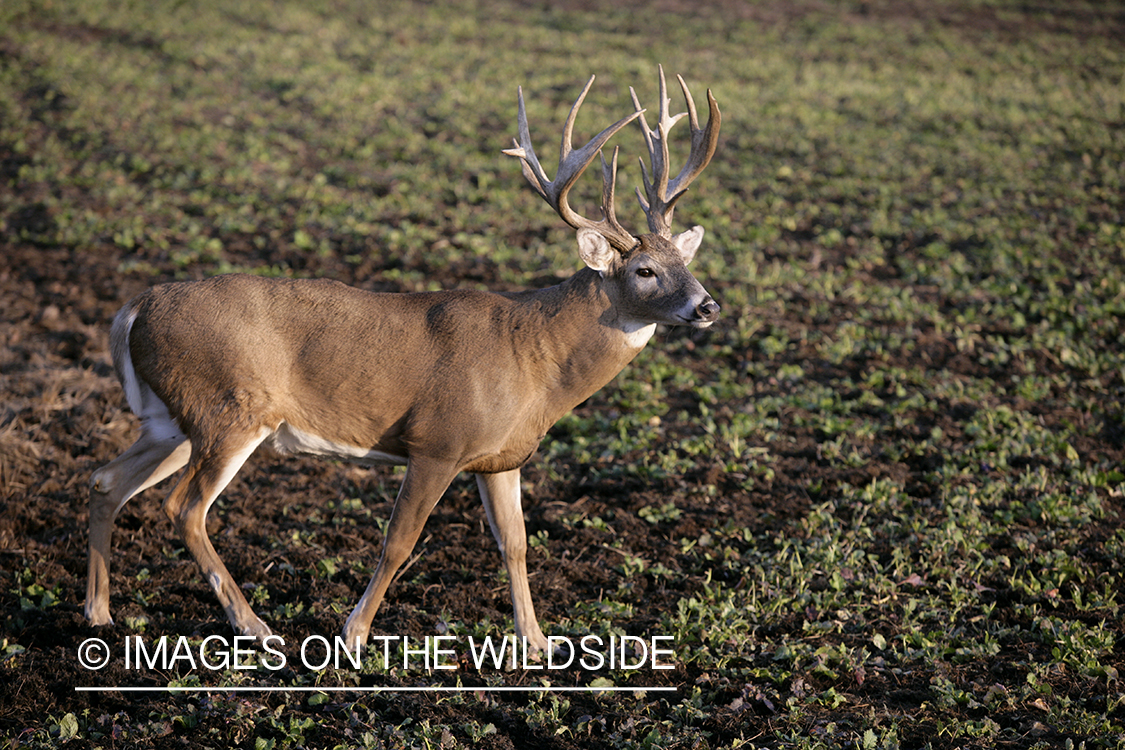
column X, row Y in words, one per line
column 646, row 273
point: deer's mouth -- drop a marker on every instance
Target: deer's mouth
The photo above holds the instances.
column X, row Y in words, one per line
column 696, row 322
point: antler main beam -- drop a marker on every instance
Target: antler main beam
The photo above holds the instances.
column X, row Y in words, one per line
column 661, row 194
column 572, row 164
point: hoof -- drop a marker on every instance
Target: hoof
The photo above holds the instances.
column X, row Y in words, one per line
column 255, row 629
column 355, row 635
column 536, row 643
column 354, row 640
column 98, row 618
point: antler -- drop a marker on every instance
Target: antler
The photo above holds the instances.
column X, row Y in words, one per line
column 661, row 192
column 571, row 166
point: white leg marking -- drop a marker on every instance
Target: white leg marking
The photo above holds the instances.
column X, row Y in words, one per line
column 232, row 466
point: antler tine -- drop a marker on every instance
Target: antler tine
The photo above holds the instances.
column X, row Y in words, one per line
column 660, row 196
column 572, row 163
column 609, row 182
column 529, row 163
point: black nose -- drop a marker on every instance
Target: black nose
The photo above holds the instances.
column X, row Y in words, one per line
column 708, row 309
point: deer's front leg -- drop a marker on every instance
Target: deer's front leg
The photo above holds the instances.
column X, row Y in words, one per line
column 501, row 496
column 425, row 482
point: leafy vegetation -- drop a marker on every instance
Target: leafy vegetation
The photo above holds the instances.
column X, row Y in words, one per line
column 879, row 505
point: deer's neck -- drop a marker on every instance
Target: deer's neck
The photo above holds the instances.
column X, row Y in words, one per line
column 579, row 336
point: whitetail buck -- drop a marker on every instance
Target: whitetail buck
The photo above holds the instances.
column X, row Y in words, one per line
column 442, row 382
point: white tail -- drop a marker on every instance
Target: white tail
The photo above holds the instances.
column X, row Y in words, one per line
column 442, row 382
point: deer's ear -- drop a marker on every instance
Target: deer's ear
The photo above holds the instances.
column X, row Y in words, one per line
column 688, row 242
column 594, row 249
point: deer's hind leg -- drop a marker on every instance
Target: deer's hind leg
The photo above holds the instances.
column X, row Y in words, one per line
column 210, row 469
column 160, row 451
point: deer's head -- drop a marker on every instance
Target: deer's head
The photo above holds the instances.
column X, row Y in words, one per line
column 647, row 274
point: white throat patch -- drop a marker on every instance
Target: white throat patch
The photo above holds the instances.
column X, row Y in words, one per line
column 638, row 334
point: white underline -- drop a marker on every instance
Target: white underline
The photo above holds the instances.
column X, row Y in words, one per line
column 373, row 689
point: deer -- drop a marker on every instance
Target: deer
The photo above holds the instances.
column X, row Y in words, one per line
column 442, row 382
